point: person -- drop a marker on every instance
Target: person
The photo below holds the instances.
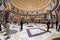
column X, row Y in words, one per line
column 56, row 24
column 0, row 21
column 0, row 27
column 58, row 27
column 21, row 23
column 7, row 24
column 48, row 24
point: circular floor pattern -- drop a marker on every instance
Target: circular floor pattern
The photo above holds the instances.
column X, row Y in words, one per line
column 56, row 38
column 30, row 5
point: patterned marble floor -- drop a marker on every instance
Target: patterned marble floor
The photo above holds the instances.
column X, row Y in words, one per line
column 36, row 32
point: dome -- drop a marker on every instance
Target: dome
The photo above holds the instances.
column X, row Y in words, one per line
column 30, row 5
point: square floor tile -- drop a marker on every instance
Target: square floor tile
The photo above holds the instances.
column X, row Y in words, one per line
column 35, row 31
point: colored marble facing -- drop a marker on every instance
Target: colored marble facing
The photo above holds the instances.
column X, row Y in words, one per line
column 37, row 32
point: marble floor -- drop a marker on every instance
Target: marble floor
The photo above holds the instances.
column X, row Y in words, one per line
column 31, row 31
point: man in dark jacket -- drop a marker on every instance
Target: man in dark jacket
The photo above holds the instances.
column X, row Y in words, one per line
column 56, row 24
column 21, row 23
column 58, row 27
column 48, row 24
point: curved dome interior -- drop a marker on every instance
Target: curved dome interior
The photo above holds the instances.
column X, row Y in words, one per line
column 30, row 5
